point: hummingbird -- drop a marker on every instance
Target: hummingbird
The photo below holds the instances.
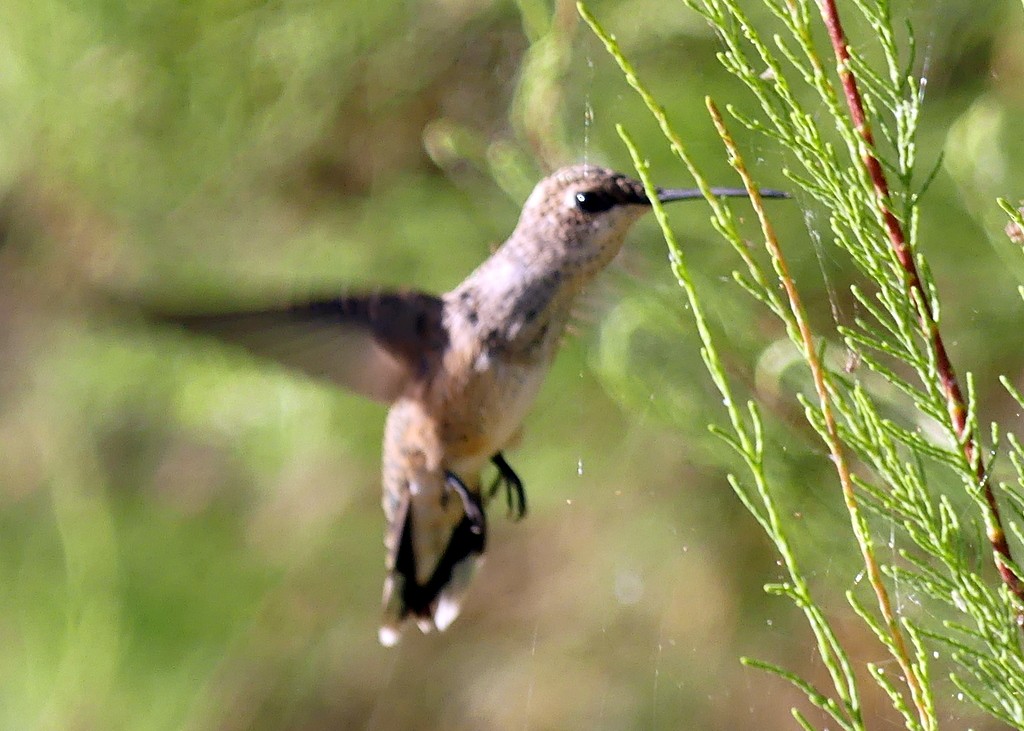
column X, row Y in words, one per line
column 459, row 372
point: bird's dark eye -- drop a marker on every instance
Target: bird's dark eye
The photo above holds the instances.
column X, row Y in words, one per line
column 594, row 201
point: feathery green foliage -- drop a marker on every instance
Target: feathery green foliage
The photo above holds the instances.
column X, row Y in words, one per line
column 915, row 474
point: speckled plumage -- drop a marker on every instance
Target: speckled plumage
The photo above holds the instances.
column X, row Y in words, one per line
column 460, row 371
column 504, row 324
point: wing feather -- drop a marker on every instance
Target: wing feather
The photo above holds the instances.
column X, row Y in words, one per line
column 375, row 345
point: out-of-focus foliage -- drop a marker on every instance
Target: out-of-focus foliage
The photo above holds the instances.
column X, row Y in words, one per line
column 193, row 540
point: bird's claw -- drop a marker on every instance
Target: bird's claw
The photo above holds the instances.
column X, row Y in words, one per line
column 470, row 502
column 515, row 494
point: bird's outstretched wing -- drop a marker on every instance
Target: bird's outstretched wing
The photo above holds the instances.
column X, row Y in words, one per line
column 375, row 344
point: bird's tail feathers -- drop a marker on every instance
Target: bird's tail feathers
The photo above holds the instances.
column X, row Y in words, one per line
column 435, row 603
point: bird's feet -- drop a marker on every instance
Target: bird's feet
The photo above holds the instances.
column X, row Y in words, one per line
column 515, row 494
column 471, row 504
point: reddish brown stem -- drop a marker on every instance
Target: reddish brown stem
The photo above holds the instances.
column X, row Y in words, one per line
column 955, row 404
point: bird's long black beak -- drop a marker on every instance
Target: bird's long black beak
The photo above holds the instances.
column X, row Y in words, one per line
column 667, row 195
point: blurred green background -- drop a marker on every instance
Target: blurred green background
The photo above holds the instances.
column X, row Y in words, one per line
column 192, row 540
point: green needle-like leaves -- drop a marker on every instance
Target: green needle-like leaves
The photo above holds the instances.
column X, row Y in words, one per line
column 905, row 439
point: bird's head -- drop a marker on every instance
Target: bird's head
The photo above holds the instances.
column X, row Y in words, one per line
column 579, row 215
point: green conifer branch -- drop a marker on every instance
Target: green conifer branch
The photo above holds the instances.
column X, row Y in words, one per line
column 971, row 624
column 891, row 636
column 956, row 404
